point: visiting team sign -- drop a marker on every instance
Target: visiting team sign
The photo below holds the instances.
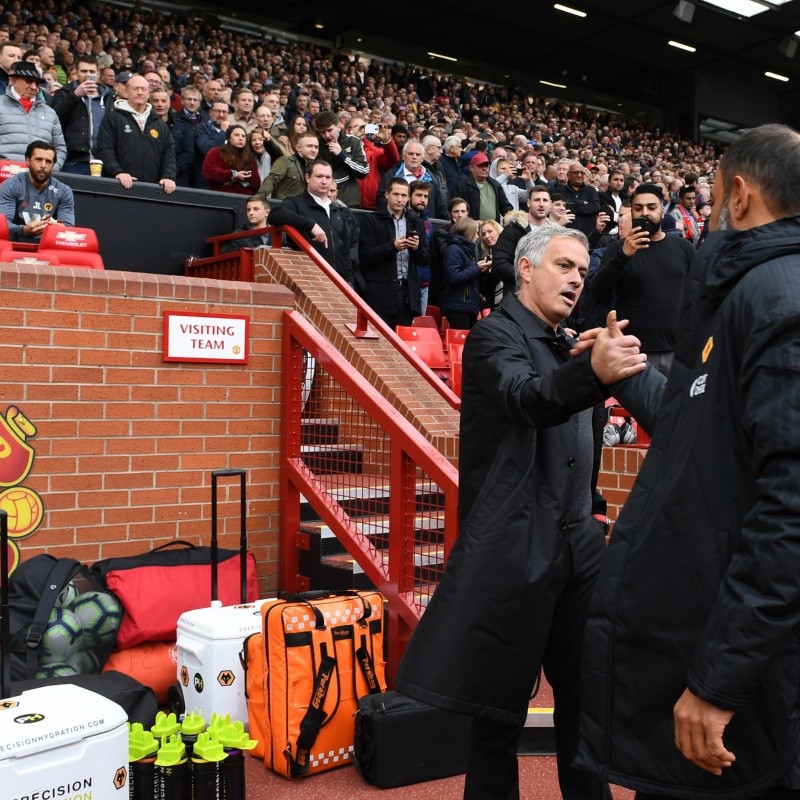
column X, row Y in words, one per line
column 210, row 338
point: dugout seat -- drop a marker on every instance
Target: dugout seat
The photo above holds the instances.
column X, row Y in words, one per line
column 73, row 247
column 426, row 343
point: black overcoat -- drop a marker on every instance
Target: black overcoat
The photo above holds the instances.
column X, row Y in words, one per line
column 478, row 647
column 700, row 587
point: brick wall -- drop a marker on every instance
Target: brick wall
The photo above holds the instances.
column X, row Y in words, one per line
column 618, row 471
column 125, row 442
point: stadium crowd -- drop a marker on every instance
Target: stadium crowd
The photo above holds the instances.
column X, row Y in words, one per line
column 225, row 110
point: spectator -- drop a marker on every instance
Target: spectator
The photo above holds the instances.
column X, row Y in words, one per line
column 460, row 298
column 502, row 269
column 450, row 163
column 288, row 141
column 81, row 106
column 432, row 151
column 411, row 169
column 134, row 144
column 257, row 212
column 231, row 167
column 611, row 201
column 319, row 220
column 583, row 201
column 647, row 272
column 345, row 155
column 562, row 171
column 10, row 53
column 211, row 133
column 287, row 178
column 32, row 200
column 419, row 192
column 381, row 154
column 184, row 124
column 121, row 84
column 502, row 172
column 25, row 117
column 242, row 100
column 491, row 287
column 456, row 209
column 355, row 236
column 485, row 196
column 391, row 249
column 686, row 212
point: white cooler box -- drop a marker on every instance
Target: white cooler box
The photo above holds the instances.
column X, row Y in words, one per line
column 63, row 741
column 210, row 670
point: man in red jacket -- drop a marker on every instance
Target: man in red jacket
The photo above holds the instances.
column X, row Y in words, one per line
column 381, row 152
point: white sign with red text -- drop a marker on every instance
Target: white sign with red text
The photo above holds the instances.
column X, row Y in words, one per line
column 220, row 338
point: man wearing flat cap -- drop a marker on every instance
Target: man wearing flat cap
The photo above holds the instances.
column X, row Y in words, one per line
column 24, row 116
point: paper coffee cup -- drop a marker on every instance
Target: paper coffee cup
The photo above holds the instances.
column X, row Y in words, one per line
column 95, row 167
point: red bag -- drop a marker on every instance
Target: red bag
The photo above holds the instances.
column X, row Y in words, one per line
column 155, row 588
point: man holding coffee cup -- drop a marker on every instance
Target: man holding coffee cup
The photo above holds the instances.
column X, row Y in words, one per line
column 32, row 200
column 81, row 106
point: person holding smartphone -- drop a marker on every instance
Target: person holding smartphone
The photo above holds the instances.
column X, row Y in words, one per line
column 80, row 107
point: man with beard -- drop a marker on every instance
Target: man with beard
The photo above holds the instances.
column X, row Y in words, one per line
column 647, row 270
column 32, row 200
column 690, row 661
column 502, row 268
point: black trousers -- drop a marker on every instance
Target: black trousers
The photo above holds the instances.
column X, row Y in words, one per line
column 492, row 768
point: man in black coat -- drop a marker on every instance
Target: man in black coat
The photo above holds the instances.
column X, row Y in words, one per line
column 582, row 200
column 690, row 677
column 318, row 219
column 392, row 246
column 484, row 195
column 516, row 588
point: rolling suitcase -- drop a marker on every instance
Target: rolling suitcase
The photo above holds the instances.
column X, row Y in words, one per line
column 58, row 740
column 314, row 657
column 209, row 640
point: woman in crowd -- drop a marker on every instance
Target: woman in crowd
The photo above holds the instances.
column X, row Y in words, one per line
column 460, row 298
column 297, row 127
column 490, row 287
column 231, row 166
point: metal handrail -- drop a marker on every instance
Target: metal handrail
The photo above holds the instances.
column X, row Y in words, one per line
column 409, row 450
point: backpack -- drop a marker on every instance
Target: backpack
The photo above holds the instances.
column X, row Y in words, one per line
column 37, row 587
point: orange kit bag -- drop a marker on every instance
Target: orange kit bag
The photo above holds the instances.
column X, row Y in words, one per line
column 316, row 655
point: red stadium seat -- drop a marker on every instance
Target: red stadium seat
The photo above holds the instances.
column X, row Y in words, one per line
column 74, row 247
column 435, row 312
column 426, row 343
column 9, row 168
column 424, row 322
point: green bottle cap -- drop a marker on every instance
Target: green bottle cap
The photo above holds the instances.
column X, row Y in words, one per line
column 193, row 724
column 166, row 725
column 141, row 743
column 171, row 752
column 208, row 747
column 234, row 736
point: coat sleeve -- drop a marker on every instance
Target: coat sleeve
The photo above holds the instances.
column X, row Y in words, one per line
column 168, row 168
column 498, row 359
column 372, row 249
column 8, row 208
column 356, row 162
column 215, row 170
column 641, row 395
column 503, row 254
column 276, row 175
column 59, row 141
column 389, row 156
column 591, row 208
column 66, row 207
column 459, row 269
column 287, row 213
column 756, row 614
column 106, row 145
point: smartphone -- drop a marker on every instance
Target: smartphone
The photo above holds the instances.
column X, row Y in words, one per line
column 371, row 129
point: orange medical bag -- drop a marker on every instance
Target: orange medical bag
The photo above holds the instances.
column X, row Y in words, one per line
column 304, row 674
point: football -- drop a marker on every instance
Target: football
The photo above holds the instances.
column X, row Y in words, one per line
column 84, row 662
column 100, row 615
column 61, row 638
column 55, row 671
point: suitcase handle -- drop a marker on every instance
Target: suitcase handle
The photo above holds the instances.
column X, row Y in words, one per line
column 229, row 473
